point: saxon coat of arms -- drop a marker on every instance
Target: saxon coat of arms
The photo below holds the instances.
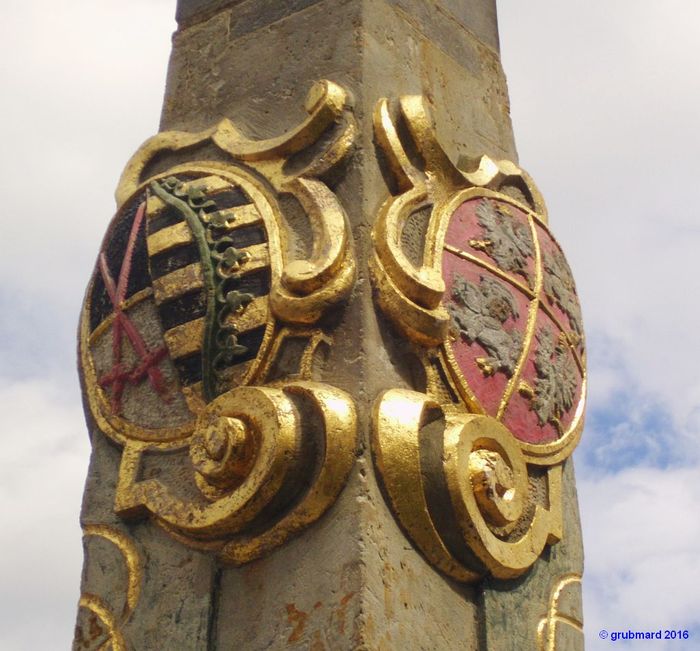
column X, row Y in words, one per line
column 200, row 332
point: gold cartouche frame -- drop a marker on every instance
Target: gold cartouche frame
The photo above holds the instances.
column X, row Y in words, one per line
column 474, row 499
column 265, row 433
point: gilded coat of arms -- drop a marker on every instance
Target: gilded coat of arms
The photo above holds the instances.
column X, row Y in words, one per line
column 489, row 305
column 200, row 337
column 515, row 340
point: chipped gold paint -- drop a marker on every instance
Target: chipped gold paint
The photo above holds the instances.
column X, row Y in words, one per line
column 240, row 216
column 258, row 258
column 327, row 105
column 178, row 282
column 169, row 238
column 254, row 315
column 504, row 559
column 313, row 337
column 210, row 185
column 187, row 338
column 133, row 562
column 339, row 418
column 307, row 359
column 273, row 423
column 95, row 605
column 307, row 287
column 131, row 557
column 154, row 205
column 387, row 135
column 194, row 397
column 398, row 416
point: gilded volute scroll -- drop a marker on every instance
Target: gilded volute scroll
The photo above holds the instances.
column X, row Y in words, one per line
column 465, row 267
column 200, row 339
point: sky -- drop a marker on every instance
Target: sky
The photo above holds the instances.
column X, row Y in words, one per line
column 605, row 98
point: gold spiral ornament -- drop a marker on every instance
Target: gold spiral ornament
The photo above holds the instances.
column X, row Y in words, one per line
column 488, row 483
column 459, row 485
column 223, row 451
column 251, row 451
column 237, row 454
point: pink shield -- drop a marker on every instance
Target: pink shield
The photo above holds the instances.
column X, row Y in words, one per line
column 516, row 344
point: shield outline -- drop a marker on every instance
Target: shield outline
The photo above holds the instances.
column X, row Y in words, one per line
column 119, row 428
column 542, row 453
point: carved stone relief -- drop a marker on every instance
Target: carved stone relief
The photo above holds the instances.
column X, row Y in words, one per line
column 200, row 333
column 471, row 459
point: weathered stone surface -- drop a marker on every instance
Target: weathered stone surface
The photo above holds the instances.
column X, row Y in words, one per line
column 530, row 596
column 479, row 18
column 179, row 580
column 353, row 580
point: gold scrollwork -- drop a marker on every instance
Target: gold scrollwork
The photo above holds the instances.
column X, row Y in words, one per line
column 555, row 617
column 447, row 472
column 327, row 104
column 307, row 287
column 487, row 519
column 269, row 453
column 111, row 622
column 410, row 293
column 253, row 450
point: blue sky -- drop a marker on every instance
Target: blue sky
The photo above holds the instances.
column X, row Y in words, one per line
column 605, row 98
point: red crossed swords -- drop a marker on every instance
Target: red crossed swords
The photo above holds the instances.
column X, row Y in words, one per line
column 119, row 376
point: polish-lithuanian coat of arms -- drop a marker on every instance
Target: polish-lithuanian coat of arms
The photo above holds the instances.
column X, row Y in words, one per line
column 466, row 267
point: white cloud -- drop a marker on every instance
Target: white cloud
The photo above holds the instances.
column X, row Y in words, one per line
column 627, row 424
column 85, row 95
column 45, row 452
column 605, row 98
column 642, row 568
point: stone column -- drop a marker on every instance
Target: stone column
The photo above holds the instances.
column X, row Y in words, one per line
column 393, row 97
